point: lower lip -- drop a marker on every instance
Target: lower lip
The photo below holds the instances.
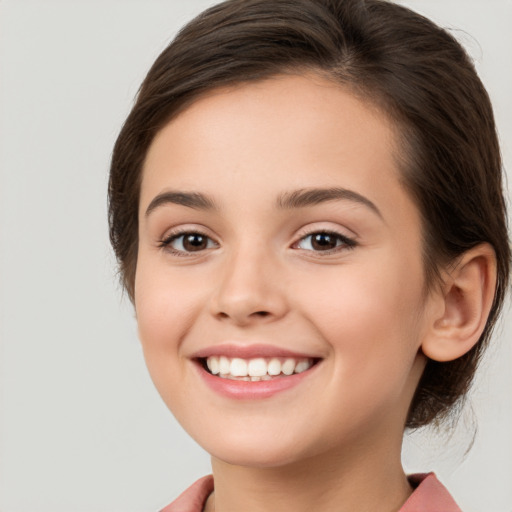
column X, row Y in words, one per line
column 247, row 390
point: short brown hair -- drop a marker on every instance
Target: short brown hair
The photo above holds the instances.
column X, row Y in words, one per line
column 392, row 57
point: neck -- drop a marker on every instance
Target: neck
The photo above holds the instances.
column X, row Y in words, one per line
column 330, row 482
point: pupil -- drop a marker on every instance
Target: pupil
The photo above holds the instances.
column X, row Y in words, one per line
column 323, row 241
column 194, row 242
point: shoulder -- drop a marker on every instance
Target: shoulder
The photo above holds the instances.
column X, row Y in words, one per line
column 429, row 495
column 193, row 499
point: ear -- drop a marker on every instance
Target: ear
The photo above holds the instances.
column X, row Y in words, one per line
column 463, row 305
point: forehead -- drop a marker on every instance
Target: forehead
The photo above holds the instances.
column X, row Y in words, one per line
column 282, row 133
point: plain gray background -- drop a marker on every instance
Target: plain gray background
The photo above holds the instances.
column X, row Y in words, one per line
column 81, row 426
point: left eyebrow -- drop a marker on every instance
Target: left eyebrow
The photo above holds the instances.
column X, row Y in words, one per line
column 191, row 199
column 312, row 196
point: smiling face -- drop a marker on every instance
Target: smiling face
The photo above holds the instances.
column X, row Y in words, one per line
column 278, row 247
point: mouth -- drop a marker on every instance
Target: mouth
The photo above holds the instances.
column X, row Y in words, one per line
column 256, row 369
column 253, row 372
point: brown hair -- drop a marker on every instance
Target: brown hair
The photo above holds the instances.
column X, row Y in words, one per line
column 393, row 57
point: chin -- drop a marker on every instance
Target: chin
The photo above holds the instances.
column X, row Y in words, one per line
column 256, row 452
column 255, row 458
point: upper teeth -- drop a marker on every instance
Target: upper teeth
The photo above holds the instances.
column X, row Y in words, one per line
column 258, row 367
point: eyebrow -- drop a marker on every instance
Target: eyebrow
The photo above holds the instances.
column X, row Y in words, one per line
column 295, row 199
column 191, row 199
column 312, row 196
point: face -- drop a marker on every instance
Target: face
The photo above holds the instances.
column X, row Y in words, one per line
column 279, row 290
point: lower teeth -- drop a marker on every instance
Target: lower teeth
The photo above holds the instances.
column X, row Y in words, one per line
column 248, row 379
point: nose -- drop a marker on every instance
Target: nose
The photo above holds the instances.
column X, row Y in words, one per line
column 250, row 289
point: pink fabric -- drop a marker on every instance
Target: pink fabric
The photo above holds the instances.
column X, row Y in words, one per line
column 430, row 495
column 193, row 499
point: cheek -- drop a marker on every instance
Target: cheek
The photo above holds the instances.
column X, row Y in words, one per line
column 164, row 304
column 369, row 316
column 373, row 333
column 165, row 309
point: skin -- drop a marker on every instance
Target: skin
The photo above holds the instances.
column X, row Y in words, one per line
column 331, row 443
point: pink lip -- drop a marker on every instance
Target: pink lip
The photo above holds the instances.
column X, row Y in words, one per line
column 247, row 390
column 249, row 351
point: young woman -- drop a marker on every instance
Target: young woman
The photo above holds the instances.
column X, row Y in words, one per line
column 306, row 204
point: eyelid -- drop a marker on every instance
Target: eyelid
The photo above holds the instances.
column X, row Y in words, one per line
column 165, row 241
column 348, row 242
column 327, row 226
column 184, row 228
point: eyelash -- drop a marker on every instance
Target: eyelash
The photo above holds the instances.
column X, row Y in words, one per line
column 346, row 243
column 168, row 240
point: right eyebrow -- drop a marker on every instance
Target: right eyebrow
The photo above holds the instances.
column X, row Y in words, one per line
column 303, row 198
column 191, row 199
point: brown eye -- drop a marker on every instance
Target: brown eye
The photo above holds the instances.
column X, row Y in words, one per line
column 188, row 242
column 324, row 241
column 194, row 242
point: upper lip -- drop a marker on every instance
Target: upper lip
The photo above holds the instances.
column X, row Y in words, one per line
column 249, row 351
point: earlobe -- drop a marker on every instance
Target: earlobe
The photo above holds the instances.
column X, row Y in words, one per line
column 466, row 299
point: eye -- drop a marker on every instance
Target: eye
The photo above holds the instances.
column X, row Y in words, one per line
column 187, row 242
column 324, row 241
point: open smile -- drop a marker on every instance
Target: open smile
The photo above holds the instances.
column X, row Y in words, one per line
column 255, row 369
column 253, row 372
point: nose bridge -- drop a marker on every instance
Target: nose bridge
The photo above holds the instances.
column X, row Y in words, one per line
column 248, row 287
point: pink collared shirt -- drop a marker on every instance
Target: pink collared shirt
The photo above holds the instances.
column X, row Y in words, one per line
column 429, row 495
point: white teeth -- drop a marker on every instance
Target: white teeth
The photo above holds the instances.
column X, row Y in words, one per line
column 274, row 367
column 238, row 367
column 288, row 366
column 256, row 369
column 302, row 366
column 224, row 365
column 213, row 365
